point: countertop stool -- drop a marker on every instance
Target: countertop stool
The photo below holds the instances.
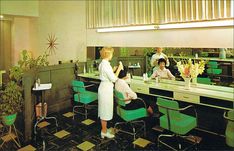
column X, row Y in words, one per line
column 41, row 89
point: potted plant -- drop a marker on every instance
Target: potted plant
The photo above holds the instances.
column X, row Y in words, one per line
column 11, row 101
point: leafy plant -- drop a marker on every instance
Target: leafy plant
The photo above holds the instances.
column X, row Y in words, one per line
column 149, row 51
column 16, row 73
column 27, row 63
column 11, row 99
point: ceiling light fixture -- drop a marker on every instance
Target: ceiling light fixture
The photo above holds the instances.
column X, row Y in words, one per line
column 129, row 28
column 220, row 23
column 1, row 16
column 203, row 24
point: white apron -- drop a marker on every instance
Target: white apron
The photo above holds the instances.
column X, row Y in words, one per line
column 105, row 101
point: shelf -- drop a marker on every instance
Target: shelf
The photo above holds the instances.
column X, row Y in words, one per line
column 204, row 58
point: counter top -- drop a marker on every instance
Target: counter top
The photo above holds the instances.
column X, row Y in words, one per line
column 224, row 93
column 204, row 58
column 219, row 92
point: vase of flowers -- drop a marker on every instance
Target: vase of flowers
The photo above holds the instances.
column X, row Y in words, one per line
column 187, row 82
column 190, row 70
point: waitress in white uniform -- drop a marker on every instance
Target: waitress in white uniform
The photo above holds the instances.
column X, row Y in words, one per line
column 105, row 90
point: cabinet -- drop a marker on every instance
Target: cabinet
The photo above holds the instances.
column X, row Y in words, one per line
column 186, row 97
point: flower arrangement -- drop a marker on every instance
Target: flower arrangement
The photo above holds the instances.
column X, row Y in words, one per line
column 188, row 69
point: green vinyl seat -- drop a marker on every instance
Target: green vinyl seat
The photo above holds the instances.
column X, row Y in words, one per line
column 213, row 64
column 85, row 97
column 229, row 116
column 214, row 71
column 81, row 95
column 204, row 80
column 131, row 117
column 174, row 121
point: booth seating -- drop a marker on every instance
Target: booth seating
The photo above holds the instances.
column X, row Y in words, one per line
column 130, row 117
column 229, row 116
column 176, row 122
column 81, row 95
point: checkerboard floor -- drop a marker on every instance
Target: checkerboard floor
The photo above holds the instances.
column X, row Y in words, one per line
column 75, row 135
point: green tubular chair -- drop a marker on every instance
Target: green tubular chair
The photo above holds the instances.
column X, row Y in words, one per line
column 83, row 96
column 229, row 116
column 213, row 70
column 204, row 80
column 130, row 117
column 213, row 64
column 175, row 121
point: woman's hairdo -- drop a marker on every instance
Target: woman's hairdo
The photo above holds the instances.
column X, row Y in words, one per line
column 123, row 73
column 105, row 52
column 162, row 60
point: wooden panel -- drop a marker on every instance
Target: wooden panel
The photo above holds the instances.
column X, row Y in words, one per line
column 44, row 76
column 58, row 98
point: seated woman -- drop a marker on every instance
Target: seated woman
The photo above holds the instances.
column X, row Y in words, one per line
column 131, row 100
column 162, row 72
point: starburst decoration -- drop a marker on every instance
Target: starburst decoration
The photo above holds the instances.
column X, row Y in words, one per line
column 52, row 43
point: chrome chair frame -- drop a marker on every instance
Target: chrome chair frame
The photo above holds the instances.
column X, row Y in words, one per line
column 85, row 106
column 176, row 135
column 132, row 123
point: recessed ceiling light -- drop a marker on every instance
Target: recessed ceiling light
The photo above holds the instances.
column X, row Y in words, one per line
column 1, row 16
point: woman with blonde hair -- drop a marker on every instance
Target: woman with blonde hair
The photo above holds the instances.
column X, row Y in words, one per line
column 105, row 90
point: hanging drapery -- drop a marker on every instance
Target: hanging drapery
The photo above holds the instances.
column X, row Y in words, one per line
column 113, row 13
column 5, row 45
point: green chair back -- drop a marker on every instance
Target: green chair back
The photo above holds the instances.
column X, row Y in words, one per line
column 128, row 115
column 78, row 86
column 165, row 103
column 213, row 68
column 213, row 64
column 204, row 80
column 119, row 98
column 231, row 114
column 214, row 71
column 230, row 129
column 172, row 119
column 81, row 94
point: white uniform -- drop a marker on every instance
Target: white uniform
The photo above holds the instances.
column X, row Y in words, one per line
column 105, row 90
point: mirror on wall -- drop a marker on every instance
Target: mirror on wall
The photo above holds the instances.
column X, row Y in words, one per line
column 139, row 59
